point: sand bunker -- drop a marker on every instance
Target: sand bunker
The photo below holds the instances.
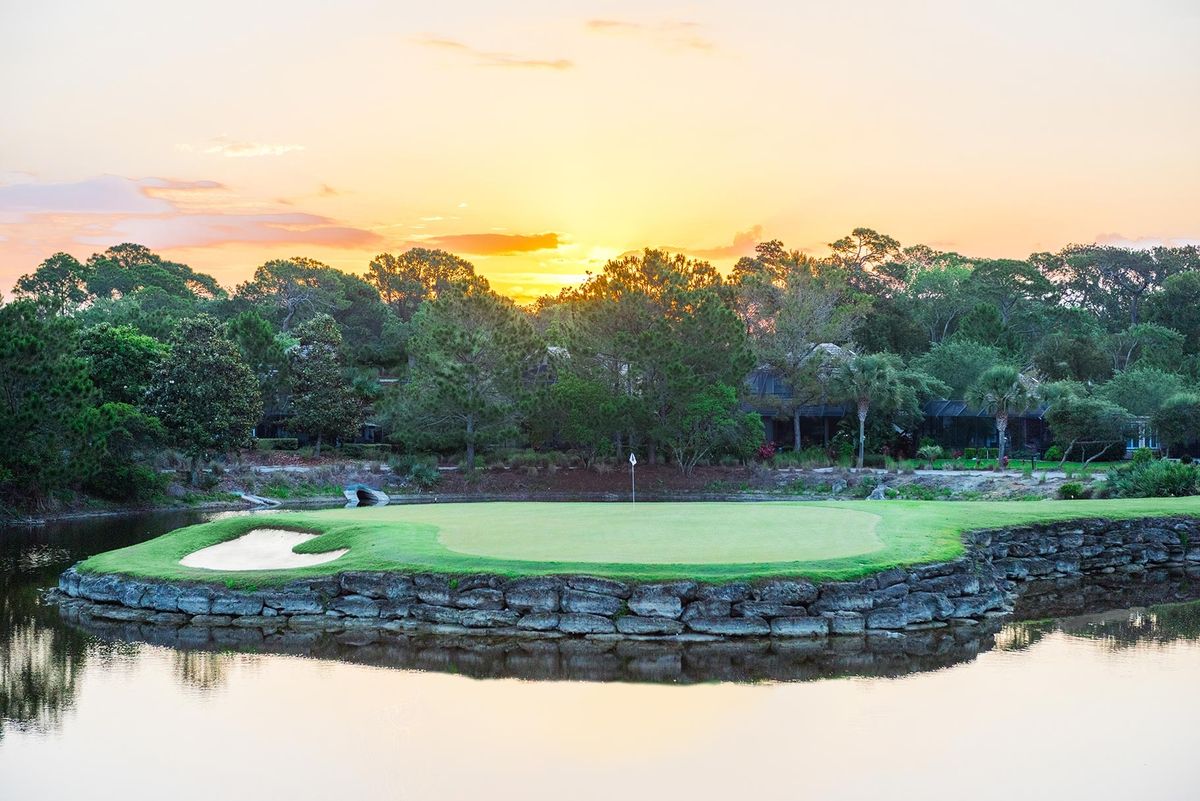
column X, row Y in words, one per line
column 261, row 549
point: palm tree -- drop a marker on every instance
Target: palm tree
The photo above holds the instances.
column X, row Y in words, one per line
column 865, row 380
column 1001, row 391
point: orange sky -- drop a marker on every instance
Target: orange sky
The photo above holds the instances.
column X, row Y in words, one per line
column 539, row 139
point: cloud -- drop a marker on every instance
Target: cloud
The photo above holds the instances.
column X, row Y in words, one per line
column 240, row 148
column 742, row 245
column 672, row 34
column 488, row 58
column 493, row 244
column 1146, row 242
column 106, row 194
column 157, row 212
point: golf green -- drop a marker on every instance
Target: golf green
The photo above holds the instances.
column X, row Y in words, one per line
column 698, row 540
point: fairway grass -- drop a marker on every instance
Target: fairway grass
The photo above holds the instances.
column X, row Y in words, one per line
column 652, row 541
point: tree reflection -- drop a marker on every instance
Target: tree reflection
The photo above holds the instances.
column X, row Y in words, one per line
column 40, row 661
column 202, row 670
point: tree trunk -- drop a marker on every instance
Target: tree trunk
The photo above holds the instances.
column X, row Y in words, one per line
column 1001, row 428
column 317, row 452
column 470, row 445
column 796, row 429
column 863, row 407
column 652, row 452
column 194, row 474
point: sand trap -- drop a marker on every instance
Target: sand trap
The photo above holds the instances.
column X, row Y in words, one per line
column 261, row 549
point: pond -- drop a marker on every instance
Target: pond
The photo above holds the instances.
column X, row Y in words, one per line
column 1097, row 706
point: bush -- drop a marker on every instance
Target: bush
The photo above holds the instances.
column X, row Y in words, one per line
column 127, row 482
column 365, row 450
column 420, row 471
column 930, row 453
column 276, row 444
column 1155, row 479
column 766, row 452
column 1072, row 491
column 969, row 453
column 1141, row 456
column 1053, row 454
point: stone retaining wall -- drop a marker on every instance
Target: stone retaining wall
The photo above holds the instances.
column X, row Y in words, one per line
column 978, row 586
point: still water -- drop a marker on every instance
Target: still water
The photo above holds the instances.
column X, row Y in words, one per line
column 1099, row 707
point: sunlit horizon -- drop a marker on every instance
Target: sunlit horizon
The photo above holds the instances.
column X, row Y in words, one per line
column 540, row 141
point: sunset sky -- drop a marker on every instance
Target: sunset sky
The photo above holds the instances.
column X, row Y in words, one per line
column 539, row 139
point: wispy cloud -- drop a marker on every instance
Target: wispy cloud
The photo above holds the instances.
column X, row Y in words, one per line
column 493, row 244
column 1146, row 242
column 491, row 58
column 742, row 245
column 239, row 148
column 39, row 218
column 673, row 34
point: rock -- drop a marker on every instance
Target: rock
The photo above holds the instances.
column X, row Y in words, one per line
column 878, row 494
column 650, row 601
column 632, row 624
column 480, row 581
column 195, row 600
column 237, row 605
column 731, row 626
column 731, row 593
column 356, row 606
column 799, row 627
column 293, row 603
column 211, row 621
column 435, row 614
column 167, row 619
column 479, row 598
column 532, row 599
column 399, row 588
column 311, row 622
column 433, row 589
column 538, row 621
column 162, row 598
column 121, row 613
column 371, row 585
column 841, row 598
column 951, row 586
column 393, row 610
column 603, row 586
column 887, row 618
column 786, row 591
column 68, row 582
column 132, row 593
column 585, row 624
column 713, row 608
column 583, row 602
column 258, row 622
column 838, row 486
column 488, row 618
column 846, row 623
column 101, row 587
column 889, row 577
column 890, row 595
column 768, row 609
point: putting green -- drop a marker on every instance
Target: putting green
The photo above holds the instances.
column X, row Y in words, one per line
column 683, row 534
column 652, row 541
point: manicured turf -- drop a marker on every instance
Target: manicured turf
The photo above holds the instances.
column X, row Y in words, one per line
column 703, row 541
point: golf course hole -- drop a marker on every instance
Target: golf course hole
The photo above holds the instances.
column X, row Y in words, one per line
column 260, row 549
column 691, row 534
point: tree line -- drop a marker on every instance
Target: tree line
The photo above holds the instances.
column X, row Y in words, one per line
column 105, row 362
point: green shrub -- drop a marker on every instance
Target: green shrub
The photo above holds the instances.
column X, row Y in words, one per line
column 365, row 450
column 874, row 460
column 969, row 453
column 127, row 482
column 1053, row 454
column 1141, row 456
column 1072, row 491
column 276, row 444
column 1155, row 479
column 930, row 453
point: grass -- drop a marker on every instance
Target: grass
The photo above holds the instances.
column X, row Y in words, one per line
column 652, row 541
